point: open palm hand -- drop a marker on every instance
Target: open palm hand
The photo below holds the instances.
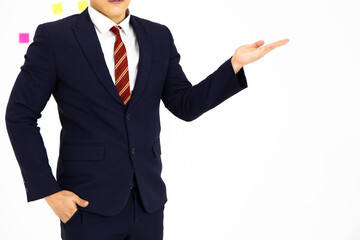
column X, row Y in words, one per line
column 252, row 52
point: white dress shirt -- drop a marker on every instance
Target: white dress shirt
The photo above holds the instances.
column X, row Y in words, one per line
column 107, row 40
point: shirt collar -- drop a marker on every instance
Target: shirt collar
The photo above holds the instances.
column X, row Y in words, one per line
column 103, row 23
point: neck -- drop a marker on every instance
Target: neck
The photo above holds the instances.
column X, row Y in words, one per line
column 117, row 20
column 121, row 18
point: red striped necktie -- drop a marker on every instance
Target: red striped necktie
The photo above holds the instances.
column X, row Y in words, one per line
column 121, row 67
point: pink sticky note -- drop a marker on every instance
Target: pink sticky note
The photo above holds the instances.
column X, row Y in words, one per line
column 23, row 37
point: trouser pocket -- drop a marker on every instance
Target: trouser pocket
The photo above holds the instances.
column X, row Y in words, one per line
column 73, row 218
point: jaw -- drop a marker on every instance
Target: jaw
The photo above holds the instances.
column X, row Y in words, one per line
column 115, row 10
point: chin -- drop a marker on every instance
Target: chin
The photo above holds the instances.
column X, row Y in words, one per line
column 116, row 10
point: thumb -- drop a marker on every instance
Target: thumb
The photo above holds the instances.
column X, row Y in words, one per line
column 257, row 44
column 81, row 202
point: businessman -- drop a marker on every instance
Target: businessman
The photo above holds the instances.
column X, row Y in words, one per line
column 108, row 71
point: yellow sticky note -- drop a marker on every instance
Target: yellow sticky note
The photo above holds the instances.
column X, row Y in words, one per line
column 57, row 8
column 82, row 5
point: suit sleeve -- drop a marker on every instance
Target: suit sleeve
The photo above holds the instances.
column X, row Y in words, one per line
column 189, row 102
column 32, row 89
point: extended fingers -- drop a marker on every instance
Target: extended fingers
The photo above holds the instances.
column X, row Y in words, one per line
column 272, row 46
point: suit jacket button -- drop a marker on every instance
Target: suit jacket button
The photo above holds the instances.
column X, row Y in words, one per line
column 26, row 189
column 128, row 116
column 133, row 151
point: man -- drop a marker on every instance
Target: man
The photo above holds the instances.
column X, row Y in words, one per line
column 107, row 71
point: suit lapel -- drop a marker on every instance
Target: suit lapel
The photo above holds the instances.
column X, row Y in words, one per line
column 145, row 51
column 89, row 42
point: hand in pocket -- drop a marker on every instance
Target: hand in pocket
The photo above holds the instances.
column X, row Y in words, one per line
column 64, row 204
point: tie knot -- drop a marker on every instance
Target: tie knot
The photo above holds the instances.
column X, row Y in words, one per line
column 116, row 30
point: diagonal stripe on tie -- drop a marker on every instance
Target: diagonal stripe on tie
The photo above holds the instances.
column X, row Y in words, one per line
column 127, row 100
column 118, row 64
column 124, row 88
column 121, row 67
column 121, row 85
column 118, row 48
column 118, row 80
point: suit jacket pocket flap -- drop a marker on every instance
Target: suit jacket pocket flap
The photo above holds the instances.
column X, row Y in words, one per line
column 82, row 152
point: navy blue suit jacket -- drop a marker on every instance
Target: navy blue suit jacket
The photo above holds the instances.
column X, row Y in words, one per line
column 102, row 142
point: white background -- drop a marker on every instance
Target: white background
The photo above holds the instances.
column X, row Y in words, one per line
column 279, row 160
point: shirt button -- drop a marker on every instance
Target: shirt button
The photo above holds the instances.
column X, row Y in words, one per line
column 133, row 151
column 128, row 117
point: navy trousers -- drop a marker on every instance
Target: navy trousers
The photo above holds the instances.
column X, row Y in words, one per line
column 133, row 223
